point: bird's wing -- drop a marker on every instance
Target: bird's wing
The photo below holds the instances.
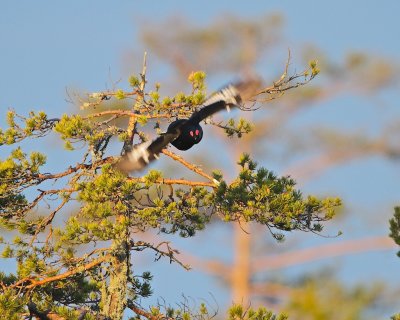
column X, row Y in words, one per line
column 230, row 96
column 164, row 139
column 224, row 98
column 142, row 154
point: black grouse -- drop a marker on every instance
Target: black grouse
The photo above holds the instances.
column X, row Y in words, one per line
column 185, row 133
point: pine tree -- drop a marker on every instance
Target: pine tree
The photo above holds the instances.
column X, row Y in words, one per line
column 77, row 263
column 394, row 225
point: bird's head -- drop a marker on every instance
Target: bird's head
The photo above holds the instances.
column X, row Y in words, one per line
column 194, row 133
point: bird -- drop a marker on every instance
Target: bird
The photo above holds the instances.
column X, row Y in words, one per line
column 183, row 134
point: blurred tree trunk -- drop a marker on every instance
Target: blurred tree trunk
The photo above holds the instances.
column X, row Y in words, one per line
column 241, row 266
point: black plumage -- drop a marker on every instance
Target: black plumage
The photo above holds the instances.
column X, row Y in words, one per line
column 190, row 134
column 185, row 133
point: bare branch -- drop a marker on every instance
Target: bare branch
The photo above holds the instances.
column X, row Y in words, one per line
column 286, row 82
column 188, row 165
column 139, row 100
column 47, row 221
column 170, row 253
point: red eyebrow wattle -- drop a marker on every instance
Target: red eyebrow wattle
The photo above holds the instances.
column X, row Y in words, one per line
column 197, row 132
column 191, row 133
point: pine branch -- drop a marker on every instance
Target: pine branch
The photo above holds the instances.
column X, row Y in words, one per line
column 42, row 315
column 147, row 315
column 33, row 283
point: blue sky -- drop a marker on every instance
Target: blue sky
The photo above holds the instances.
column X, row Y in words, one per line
column 48, row 46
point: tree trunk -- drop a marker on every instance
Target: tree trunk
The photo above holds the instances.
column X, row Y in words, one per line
column 114, row 291
column 241, row 267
